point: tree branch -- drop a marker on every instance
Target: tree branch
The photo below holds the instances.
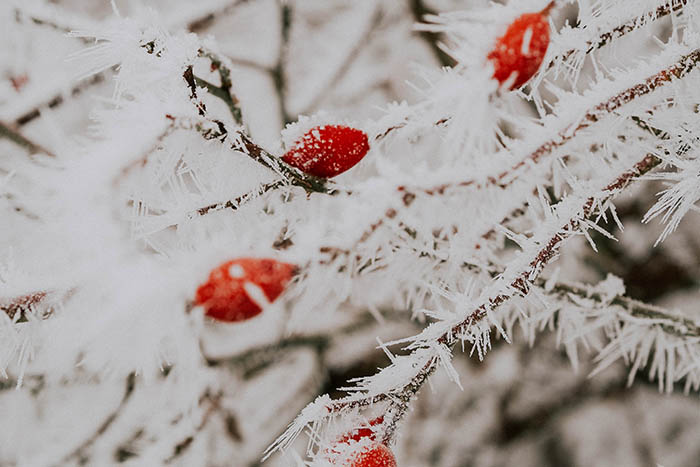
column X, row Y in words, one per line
column 607, row 37
column 523, row 277
column 342, row 69
column 14, row 135
column 79, row 452
column 419, row 11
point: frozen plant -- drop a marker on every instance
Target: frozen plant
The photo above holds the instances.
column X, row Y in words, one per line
column 178, row 248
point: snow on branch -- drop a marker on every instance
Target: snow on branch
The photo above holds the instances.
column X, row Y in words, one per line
column 572, row 44
column 399, row 383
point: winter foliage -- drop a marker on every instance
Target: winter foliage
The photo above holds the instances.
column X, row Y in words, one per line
column 454, row 211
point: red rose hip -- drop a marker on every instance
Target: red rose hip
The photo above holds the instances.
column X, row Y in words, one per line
column 365, row 432
column 226, row 296
column 375, row 455
column 353, row 450
column 520, row 51
column 328, row 150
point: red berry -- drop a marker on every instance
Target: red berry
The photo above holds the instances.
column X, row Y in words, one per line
column 327, row 151
column 372, row 454
column 521, row 49
column 365, row 432
column 376, row 455
column 224, row 296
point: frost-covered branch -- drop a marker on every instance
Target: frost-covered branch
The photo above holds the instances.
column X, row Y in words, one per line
column 431, row 348
column 363, row 38
column 419, row 10
column 18, row 138
column 678, row 70
column 225, row 90
column 241, row 142
column 605, row 38
column 672, row 324
column 544, row 149
column 79, row 452
column 19, row 306
column 53, row 16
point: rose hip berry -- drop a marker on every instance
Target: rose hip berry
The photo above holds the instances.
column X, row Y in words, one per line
column 225, row 295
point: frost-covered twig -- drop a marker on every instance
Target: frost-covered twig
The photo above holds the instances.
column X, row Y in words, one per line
column 677, row 70
column 55, row 17
column 235, row 203
column 214, row 402
column 241, row 142
column 209, row 12
column 546, row 148
column 14, row 135
column 431, row 348
column 419, row 10
column 362, row 41
column 79, row 452
column 279, row 72
column 224, row 91
column 31, row 109
column 21, row 305
column 607, row 37
column 672, row 324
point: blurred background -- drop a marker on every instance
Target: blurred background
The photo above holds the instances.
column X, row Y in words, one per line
column 524, row 405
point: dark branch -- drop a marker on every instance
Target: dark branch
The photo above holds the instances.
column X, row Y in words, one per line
column 419, row 10
column 14, row 135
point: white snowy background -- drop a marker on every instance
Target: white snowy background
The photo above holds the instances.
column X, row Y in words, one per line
column 98, row 189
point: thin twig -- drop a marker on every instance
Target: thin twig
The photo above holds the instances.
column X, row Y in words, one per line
column 79, row 452
column 14, row 135
column 207, row 19
column 22, row 304
column 676, row 325
column 419, row 11
column 521, row 284
column 605, row 38
column 350, row 57
column 241, row 142
column 678, row 70
column 225, row 90
column 182, row 446
column 278, row 72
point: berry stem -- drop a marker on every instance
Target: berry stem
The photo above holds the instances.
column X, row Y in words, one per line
column 225, row 90
column 546, row 10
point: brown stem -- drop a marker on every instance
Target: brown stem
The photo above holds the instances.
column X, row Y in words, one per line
column 345, row 65
column 676, row 71
column 205, row 20
column 239, row 141
column 79, row 452
column 14, row 135
column 278, row 73
column 419, row 11
column 22, row 304
column 182, row 446
column 619, row 31
column 522, row 283
column 225, row 90
column 58, row 99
